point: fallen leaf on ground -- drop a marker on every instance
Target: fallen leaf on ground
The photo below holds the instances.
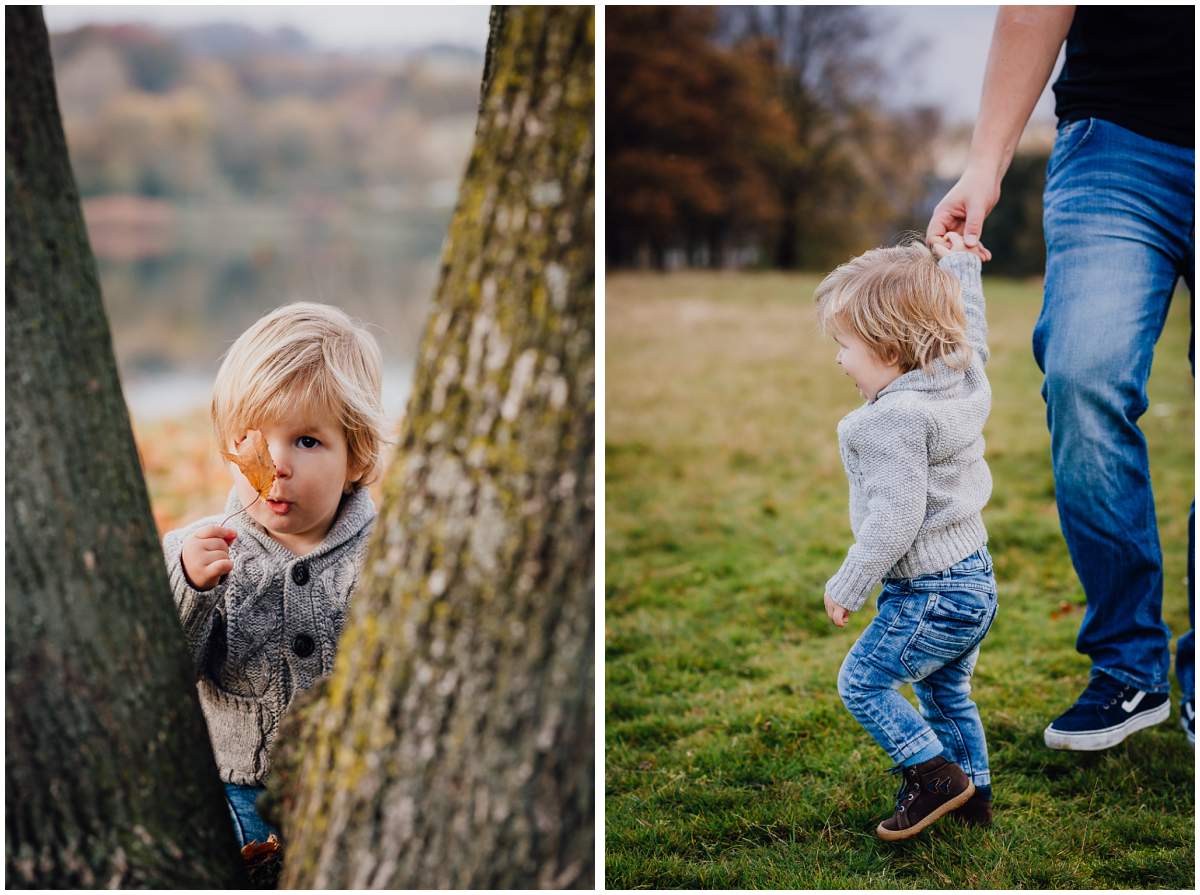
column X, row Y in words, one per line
column 256, row 851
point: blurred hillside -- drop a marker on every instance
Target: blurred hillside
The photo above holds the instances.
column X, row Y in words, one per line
column 759, row 136
column 224, row 110
column 226, row 170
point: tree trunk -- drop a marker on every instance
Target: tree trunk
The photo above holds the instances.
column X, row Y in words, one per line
column 453, row 744
column 109, row 773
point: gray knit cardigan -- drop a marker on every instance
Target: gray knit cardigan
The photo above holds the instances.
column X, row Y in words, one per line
column 268, row 629
column 914, row 457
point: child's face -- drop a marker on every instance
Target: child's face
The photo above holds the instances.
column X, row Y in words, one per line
column 869, row 372
column 311, row 474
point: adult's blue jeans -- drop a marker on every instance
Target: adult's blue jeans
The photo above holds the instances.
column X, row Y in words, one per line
column 926, row 633
column 1120, row 230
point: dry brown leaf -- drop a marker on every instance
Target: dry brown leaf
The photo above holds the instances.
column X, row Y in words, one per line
column 253, row 458
column 256, row 851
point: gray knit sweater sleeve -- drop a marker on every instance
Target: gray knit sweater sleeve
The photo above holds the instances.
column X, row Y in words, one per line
column 194, row 607
column 893, row 471
column 966, row 267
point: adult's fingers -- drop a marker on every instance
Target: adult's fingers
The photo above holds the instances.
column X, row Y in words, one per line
column 942, row 220
column 973, row 228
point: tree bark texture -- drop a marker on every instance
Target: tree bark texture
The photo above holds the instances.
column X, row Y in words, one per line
column 453, row 744
column 109, row 773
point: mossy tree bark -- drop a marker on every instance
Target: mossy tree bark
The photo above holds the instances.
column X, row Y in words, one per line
column 109, row 773
column 453, row 744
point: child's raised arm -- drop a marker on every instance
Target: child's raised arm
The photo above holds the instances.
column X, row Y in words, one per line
column 966, row 266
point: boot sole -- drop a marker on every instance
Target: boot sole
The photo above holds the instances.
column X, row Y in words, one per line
column 940, row 811
column 1095, row 740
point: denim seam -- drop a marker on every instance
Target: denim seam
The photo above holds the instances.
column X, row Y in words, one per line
column 237, row 822
column 952, row 724
column 866, row 706
column 882, row 720
column 951, row 584
column 1087, row 133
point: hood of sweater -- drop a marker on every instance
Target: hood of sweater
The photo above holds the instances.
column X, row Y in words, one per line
column 941, row 378
column 357, row 511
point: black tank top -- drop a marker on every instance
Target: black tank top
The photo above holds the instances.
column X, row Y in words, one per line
column 1134, row 66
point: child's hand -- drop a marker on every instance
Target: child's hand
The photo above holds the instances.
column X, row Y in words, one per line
column 953, row 242
column 837, row 614
column 205, row 555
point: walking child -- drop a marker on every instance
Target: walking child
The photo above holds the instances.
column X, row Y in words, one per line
column 263, row 599
column 913, row 336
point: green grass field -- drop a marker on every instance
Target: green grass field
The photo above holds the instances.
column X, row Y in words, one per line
column 730, row 760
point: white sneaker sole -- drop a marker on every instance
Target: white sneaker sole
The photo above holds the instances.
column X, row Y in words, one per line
column 1095, row 740
column 1191, row 734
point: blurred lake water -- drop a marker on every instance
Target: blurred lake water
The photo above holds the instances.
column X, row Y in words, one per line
column 182, row 282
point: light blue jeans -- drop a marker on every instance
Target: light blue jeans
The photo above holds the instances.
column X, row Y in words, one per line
column 927, row 633
column 1120, row 230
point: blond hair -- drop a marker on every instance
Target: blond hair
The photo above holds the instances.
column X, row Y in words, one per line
column 308, row 357
column 900, row 303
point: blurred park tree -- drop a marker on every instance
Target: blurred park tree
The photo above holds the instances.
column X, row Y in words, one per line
column 756, row 135
column 1013, row 231
column 695, row 139
column 452, row 747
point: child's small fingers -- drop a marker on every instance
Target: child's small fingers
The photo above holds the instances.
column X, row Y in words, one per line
column 221, row 567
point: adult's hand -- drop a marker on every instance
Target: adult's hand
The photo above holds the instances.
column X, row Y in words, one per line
column 1025, row 42
column 963, row 210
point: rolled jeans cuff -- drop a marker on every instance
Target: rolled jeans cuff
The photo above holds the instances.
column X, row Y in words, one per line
column 927, row 740
column 1163, row 686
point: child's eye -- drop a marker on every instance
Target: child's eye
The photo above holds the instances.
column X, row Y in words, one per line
column 307, row 441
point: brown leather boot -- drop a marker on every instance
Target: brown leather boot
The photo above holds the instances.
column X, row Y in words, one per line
column 931, row 789
column 975, row 812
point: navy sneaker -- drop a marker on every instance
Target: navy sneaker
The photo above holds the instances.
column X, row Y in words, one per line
column 1187, row 719
column 1105, row 713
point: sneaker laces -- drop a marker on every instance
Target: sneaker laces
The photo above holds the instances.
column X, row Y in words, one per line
column 1104, row 690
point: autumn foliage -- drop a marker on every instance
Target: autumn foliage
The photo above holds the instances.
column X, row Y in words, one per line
column 755, row 136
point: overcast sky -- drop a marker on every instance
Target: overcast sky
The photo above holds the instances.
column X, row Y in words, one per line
column 329, row 27
column 947, row 73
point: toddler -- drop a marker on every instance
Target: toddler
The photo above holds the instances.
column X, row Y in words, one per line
column 914, row 456
column 262, row 601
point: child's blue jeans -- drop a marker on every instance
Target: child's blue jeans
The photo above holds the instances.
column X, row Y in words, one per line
column 247, row 824
column 927, row 633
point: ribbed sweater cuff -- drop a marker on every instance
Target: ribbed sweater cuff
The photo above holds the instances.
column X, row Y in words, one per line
column 851, row 585
column 938, row 550
column 193, row 606
column 966, row 267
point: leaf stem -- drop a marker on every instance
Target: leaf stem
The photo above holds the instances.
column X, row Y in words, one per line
column 242, row 510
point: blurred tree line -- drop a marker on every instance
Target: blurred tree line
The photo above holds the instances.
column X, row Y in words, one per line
column 755, row 136
column 225, row 110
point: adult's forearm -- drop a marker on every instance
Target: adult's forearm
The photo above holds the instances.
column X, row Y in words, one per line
column 1025, row 44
